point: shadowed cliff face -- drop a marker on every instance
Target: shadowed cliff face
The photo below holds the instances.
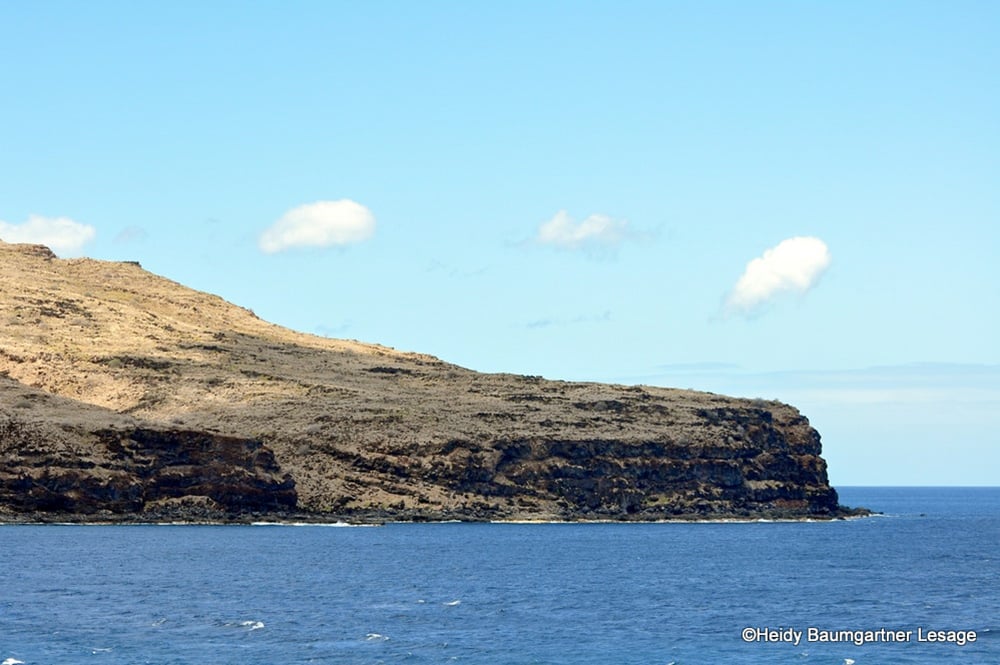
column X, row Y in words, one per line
column 131, row 393
column 72, row 469
column 743, row 463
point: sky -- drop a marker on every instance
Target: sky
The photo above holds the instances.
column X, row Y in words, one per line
column 788, row 200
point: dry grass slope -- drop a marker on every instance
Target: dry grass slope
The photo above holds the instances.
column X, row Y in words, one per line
column 368, row 432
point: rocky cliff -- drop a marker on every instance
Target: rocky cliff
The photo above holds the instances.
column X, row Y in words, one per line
column 127, row 396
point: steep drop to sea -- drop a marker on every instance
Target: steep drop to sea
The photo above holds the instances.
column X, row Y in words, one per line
column 125, row 396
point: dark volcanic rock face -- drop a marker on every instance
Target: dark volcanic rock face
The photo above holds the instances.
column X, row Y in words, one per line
column 155, row 474
column 752, row 465
column 126, row 394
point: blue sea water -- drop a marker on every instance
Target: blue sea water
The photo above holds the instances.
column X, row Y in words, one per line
column 510, row 593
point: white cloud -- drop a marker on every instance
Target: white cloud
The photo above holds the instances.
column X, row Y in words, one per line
column 595, row 230
column 61, row 234
column 792, row 266
column 320, row 224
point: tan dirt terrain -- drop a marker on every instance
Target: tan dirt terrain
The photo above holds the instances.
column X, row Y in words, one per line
column 125, row 395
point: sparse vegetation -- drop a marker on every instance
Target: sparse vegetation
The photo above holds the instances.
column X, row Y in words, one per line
column 365, row 430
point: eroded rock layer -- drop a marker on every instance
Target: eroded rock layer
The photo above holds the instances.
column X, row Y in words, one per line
column 127, row 395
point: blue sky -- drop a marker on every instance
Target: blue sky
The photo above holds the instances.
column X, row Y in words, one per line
column 790, row 200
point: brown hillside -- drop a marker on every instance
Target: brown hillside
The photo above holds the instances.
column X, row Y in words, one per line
column 129, row 395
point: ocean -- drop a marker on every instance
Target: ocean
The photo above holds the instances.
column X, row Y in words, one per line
column 920, row 584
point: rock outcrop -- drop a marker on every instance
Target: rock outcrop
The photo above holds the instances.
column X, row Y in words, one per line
column 127, row 396
column 64, row 461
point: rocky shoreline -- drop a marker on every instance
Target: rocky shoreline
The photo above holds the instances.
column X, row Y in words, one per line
column 126, row 397
column 381, row 519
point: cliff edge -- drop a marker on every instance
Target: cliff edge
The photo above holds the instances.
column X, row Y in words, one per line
column 125, row 396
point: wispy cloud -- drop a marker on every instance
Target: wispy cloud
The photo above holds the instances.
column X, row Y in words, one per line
column 792, row 266
column 914, row 384
column 131, row 234
column 595, row 231
column 706, row 366
column 603, row 317
column 61, row 234
column 441, row 268
column 319, row 224
column 337, row 330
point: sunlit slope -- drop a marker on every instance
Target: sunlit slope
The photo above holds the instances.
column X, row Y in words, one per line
column 375, row 433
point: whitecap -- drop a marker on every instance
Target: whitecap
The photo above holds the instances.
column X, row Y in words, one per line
column 96, row 650
column 848, row 661
column 252, row 625
column 453, row 603
column 12, row 661
column 376, row 637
